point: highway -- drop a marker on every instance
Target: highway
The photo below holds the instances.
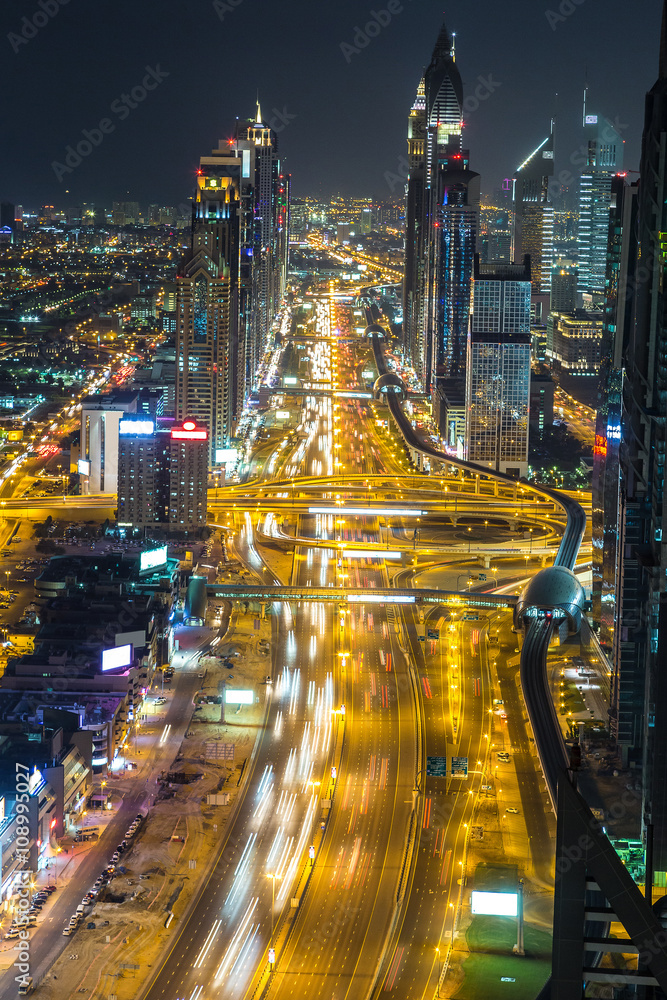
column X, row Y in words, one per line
column 354, row 690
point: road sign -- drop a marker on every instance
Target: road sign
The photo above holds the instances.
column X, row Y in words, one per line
column 471, row 618
column 459, row 767
column 436, row 767
column 482, row 576
column 434, row 633
column 272, row 956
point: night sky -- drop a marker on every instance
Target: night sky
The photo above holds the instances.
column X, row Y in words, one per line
column 341, row 114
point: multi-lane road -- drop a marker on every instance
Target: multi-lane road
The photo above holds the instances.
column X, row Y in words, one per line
column 355, row 705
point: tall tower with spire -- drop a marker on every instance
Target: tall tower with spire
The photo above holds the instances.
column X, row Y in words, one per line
column 441, row 231
column 643, row 528
column 231, row 282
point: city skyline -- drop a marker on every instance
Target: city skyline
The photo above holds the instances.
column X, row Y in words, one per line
column 509, row 92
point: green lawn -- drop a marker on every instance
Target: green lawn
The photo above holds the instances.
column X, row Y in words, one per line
column 490, row 941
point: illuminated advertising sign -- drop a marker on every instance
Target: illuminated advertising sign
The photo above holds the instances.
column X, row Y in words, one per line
column 139, row 427
column 495, row 904
column 591, row 119
column 189, row 432
column 152, row 559
column 291, row 381
column 83, row 467
column 119, row 656
column 226, row 456
column 239, row 697
column 379, row 599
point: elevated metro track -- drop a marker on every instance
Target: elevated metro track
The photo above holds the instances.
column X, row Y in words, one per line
column 546, row 728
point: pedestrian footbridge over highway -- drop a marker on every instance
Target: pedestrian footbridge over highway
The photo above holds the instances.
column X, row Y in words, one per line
column 488, row 602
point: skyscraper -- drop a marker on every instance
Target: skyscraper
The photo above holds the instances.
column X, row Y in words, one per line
column 498, row 369
column 643, row 461
column 533, row 214
column 162, row 475
column 231, row 283
column 413, row 284
column 266, row 238
column 442, row 222
column 210, row 333
column 604, row 159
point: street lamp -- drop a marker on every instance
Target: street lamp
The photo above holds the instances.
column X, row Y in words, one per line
column 437, row 951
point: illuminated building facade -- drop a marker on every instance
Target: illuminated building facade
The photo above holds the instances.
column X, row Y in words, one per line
column 533, row 215
column 574, row 341
column 162, row 475
column 100, row 418
column 413, row 284
column 442, row 224
column 498, row 368
column 231, row 283
column 604, row 159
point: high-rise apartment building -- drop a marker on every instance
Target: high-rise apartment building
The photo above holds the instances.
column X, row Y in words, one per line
column 231, row 283
column 498, row 368
column 533, row 214
column 604, row 159
column 643, row 531
column 442, row 224
column 162, row 475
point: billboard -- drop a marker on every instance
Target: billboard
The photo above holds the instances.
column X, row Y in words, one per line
column 119, row 656
column 189, row 432
column 226, row 456
column 153, row 559
column 142, row 427
column 83, row 467
column 239, row 697
column 495, row 904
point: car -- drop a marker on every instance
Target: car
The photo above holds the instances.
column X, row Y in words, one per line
column 11, row 934
column 144, row 876
column 512, row 810
column 68, row 930
column 504, row 757
column 115, row 856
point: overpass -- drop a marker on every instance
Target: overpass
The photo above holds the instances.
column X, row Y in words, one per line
column 594, row 888
column 352, row 595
